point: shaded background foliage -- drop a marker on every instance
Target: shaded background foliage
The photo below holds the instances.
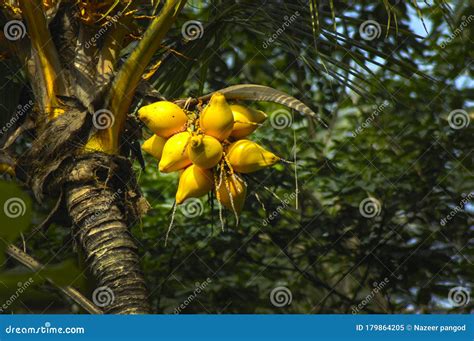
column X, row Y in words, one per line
column 324, row 251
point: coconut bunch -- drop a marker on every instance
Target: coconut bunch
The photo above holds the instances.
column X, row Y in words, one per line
column 208, row 148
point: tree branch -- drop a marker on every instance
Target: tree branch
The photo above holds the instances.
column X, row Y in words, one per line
column 34, row 265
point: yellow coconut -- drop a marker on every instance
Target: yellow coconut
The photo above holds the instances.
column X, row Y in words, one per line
column 237, row 190
column 246, row 156
column 194, row 182
column 163, row 118
column 154, row 146
column 217, row 119
column 205, row 151
column 175, row 153
column 246, row 120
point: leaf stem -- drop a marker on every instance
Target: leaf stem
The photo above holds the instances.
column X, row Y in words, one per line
column 45, row 58
column 123, row 88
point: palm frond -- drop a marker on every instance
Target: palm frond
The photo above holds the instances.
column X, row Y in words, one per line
column 315, row 38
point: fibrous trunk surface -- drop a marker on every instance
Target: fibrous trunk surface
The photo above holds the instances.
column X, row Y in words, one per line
column 100, row 194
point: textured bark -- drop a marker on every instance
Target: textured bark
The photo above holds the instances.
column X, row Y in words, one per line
column 100, row 228
column 102, row 199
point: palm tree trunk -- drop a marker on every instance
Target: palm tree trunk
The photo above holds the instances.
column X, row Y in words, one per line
column 102, row 199
column 95, row 202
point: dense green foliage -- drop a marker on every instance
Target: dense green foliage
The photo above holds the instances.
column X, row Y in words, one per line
column 325, row 251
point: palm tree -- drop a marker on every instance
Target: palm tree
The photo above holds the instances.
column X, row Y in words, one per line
column 88, row 64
